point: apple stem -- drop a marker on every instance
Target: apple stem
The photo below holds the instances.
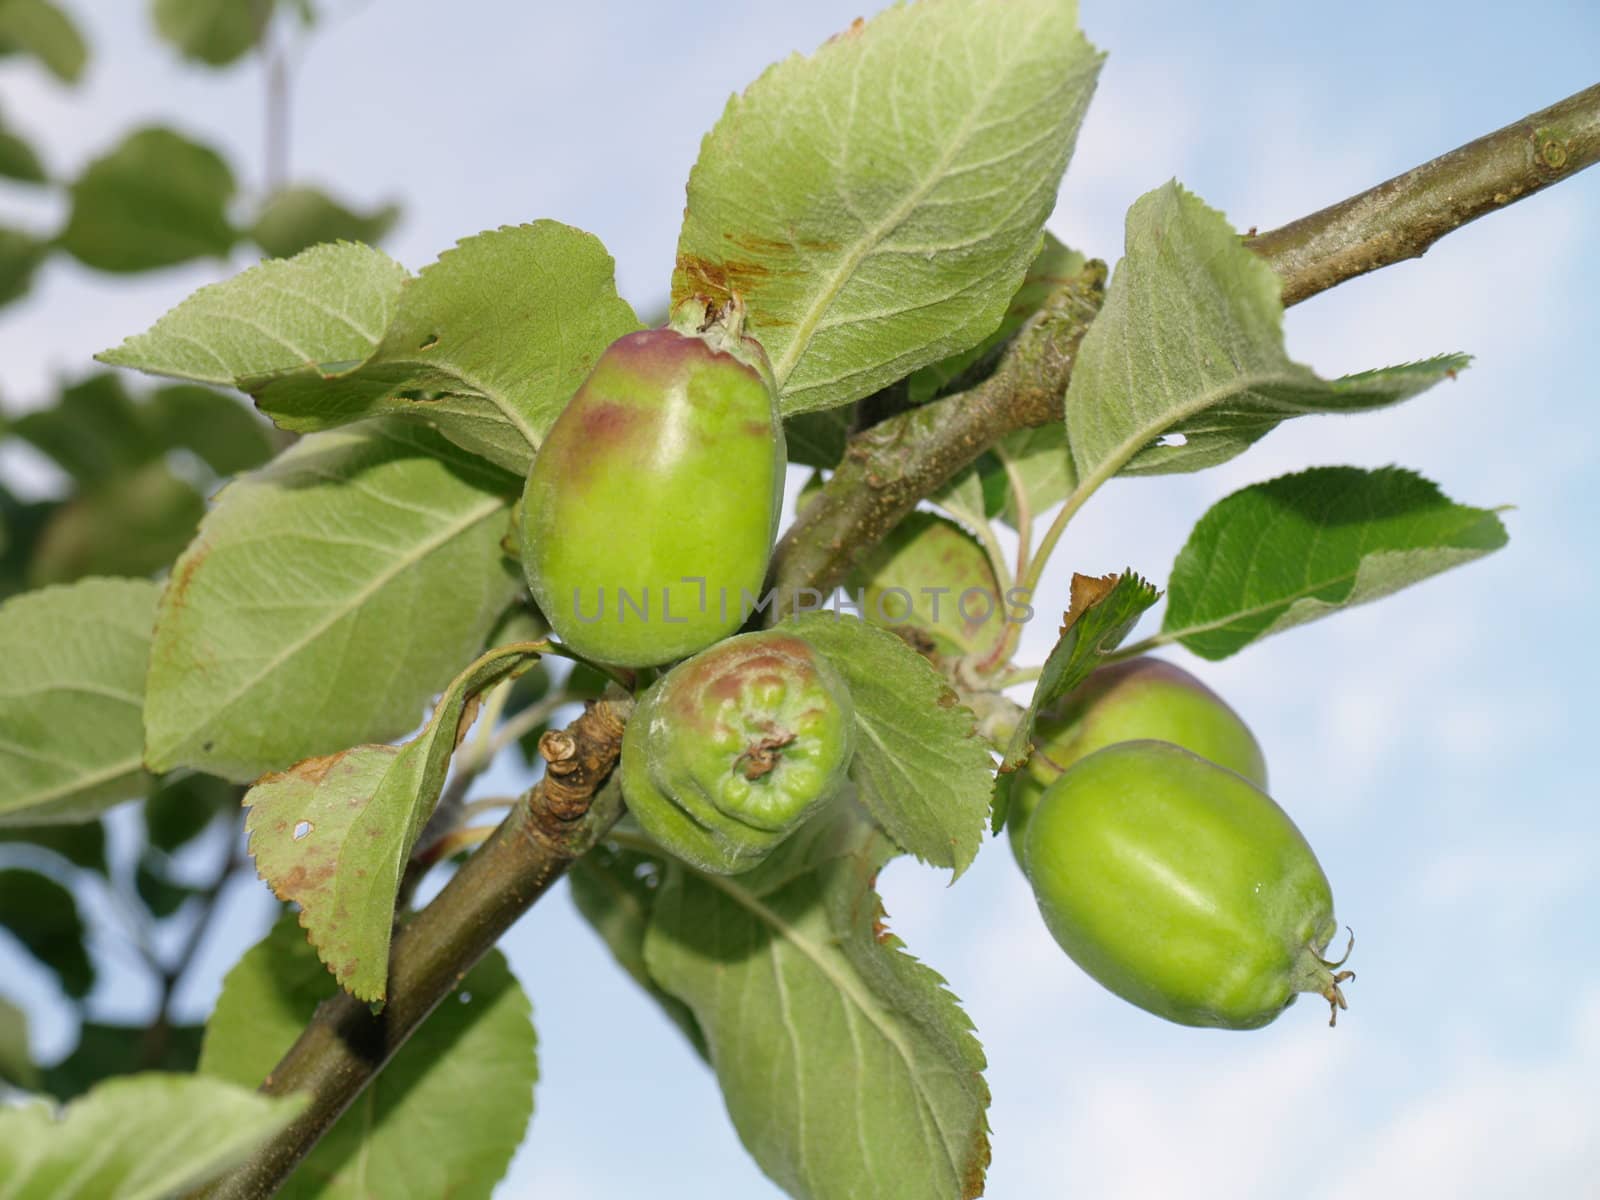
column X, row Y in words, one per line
column 1317, row 974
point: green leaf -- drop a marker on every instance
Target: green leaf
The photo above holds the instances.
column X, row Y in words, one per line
column 327, row 598
column 326, row 309
column 20, row 256
column 223, row 433
column 1185, row 366
column 1279, row 554
column 333, row 835
column 43, row 916
column 878, row 203
column 932, row 576
column 920, row 768
column 81, row 845
column 107, row 1050
column 156, row 200
column 445, row 1115
column 1053, row 266
column 183, row 805
column 18, row 160
column 1035, row 462
column 971, row 496
column 488, row 345
column 20, row 526
column 300, row 217
column 145, row 1137
column 131, row 515
column 42, row 30
column 16, row 1060
column 133, row 525
column 215, row 32
column 615, row 890
column 847, row 1067
column 817, row 439
column 71, row 733
column 1102, row 612
column 153, row 882
column 93, row 432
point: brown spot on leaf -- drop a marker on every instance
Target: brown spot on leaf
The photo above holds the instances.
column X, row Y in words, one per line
column 178, row 587
column 301, row 878
column 719, row 279
column 1087, row 591
column 919, row 640
column 469, row 714
column 309, row 770
column 854, row 30
column 756, row 244
column 978, row 1164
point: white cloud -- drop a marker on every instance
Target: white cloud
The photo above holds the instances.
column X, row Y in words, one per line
column 1492, row 1127
column 1510, row 882
column 1263, row 1116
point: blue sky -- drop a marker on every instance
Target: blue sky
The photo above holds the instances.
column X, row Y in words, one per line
column 1434, row 748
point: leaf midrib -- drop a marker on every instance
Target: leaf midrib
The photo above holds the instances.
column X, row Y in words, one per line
column 846, row 985
column 132, row 765
column 1288, row 599
column 848, row 264
column 382, row 579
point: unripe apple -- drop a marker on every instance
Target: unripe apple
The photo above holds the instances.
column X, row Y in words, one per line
column 731, row 751
column 1182, row 887
column 650, row 508
column 931, row 577
column 1125, row 701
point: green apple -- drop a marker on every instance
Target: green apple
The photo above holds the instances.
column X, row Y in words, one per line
column 1139, row 698
column 651, row 507
column 1182, row 887
column 731, row 751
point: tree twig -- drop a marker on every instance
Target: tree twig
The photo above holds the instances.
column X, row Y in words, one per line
column 890, row 467
column 346, row 1043
column 1403, row 217
column 157, row 1033
column 275, row 76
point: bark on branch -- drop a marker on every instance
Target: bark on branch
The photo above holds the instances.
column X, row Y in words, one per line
column 346, row 1043
column 1401, row 218
column 890, row 467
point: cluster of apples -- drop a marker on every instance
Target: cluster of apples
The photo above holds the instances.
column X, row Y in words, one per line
column 1158, row 860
